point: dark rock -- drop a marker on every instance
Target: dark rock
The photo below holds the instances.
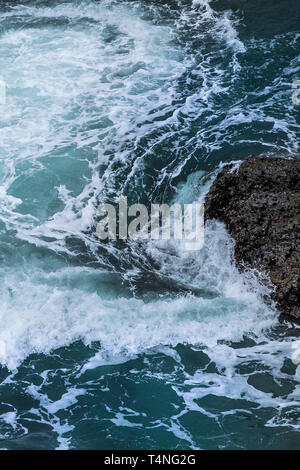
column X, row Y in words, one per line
column 260, row 205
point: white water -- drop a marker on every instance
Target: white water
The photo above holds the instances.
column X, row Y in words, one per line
column 78, row 102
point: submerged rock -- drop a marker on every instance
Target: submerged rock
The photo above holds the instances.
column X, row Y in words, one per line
column 259, row 202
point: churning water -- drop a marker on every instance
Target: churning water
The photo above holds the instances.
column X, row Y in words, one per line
column 139, row 345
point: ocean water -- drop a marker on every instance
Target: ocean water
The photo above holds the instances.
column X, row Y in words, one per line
column 140, row 345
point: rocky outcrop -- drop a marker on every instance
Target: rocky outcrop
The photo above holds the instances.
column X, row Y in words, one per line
column 259, row 202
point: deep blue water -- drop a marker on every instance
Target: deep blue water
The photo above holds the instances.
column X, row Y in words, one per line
column 139, row 345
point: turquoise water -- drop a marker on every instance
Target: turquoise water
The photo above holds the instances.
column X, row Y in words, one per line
column 139, row 345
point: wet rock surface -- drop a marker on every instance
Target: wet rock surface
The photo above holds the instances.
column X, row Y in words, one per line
column 259, row 202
